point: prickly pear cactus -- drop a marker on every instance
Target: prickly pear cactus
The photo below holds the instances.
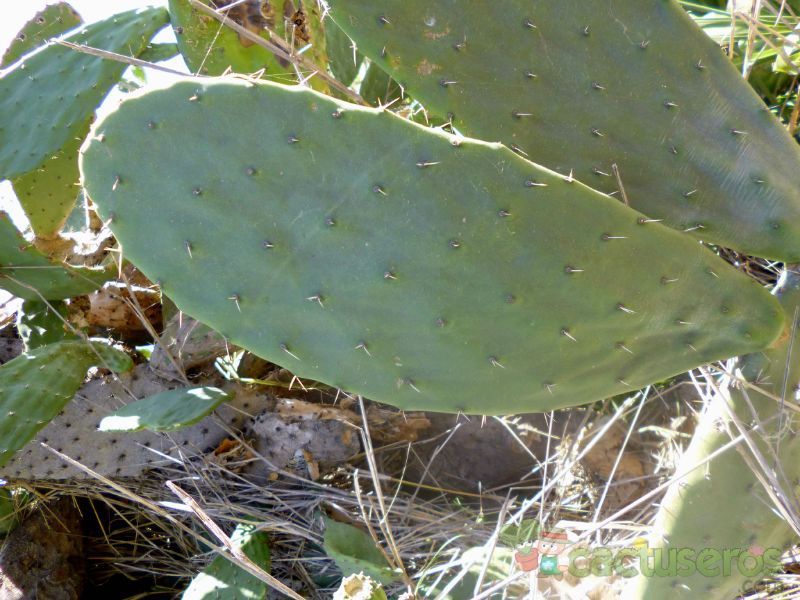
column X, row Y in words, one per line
column 27, row 273
column 580, row 87
column 209, row 48
column 444, row 274
column 34, row 387
column 50, row 22
column 44, row 114
column 223, row 580
column 721, row 505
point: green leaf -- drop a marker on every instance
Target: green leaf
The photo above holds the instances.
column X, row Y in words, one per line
column 515, row 535
column 354, row 551
column 166, row 411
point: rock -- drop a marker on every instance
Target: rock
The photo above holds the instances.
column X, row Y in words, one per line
column 43, row 557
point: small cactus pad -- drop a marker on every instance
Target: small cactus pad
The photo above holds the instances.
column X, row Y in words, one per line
column 47, row 100
column 223, row 580
column 354, row 551
column 34, row 387
column 50, row 22
column 419, row 269
column 721, row 505
column 166, row 411
column 580, row 87
column 27, row 273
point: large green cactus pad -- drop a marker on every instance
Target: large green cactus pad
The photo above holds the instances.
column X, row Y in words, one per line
column 722, row 505
column 46, row 105
column 415, row 268
column 50, row 22
column 27, row 273
column 581, row 86
column 35, row 386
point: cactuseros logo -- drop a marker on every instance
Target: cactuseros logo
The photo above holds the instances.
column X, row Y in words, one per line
column 552, row 555
column 547, row 554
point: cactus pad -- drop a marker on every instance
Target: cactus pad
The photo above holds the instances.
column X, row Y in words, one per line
column 55, row 183
column 582, row 86
column 50, row 22
column 27, row 273
column 210, row 48
column 45, row 114
column 48, row 194
column 165, row 411
column 34, row 387
column 418, row 269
